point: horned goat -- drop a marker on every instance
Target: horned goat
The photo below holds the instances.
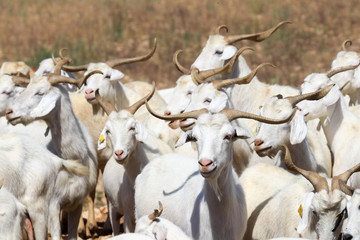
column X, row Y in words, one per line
column 351, row 229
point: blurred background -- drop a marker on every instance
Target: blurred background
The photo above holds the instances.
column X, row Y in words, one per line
column 98, row 30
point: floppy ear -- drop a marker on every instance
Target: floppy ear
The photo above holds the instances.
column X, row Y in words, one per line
column 332, row 96
column 184, row 138
column 46, row 105
column 298, row 128
column 305, row 210
column 102, row 139
column 241, row 133
column 229, row 51
column 116, row 75
column 141, row 132
column 218, row 103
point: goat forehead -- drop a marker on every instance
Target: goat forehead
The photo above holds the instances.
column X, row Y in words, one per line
column 214, row 121
column 98, row 66
column 184, row 81
column 344, row 57
column 216, row 40
column 333, row 200
column 274, row 107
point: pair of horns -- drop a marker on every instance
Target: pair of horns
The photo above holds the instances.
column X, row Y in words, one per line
column 156, row 213
column 115, row 62
column 108, row 107
column 320, row 183
column 256, row 37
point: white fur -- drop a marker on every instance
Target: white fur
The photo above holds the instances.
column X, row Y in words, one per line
column 351, row 228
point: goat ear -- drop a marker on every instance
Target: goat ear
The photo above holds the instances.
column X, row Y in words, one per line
column 184, row 138
column 332, row 96
column 102, row 139
column 241, row 133
column 141, row 132
column 305, row 210
column 229, row 51
column 298, row 128
column 116, row 75
column 218, row 103
column 46, row 105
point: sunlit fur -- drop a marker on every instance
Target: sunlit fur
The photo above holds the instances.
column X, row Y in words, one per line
column 352, row 227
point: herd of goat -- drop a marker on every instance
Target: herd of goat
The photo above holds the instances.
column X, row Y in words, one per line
column 221, row 155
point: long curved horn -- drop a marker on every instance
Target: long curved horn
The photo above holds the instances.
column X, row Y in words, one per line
column 314, row 178
column 341, row 69
column 20, row 81
column 346, row 42
column 200, row 76
column 192, row 114
column 55, row 79
column 310, row 96
column 234, row 114
column 75, row 68
column 156, row 213
column 219, row 84
column 133, row 108
column 219, row 28
column 178, row 66
column 257, row 37
column 344, row 177
column 346, row 188
column 60, row 64
column 116, row 62
column 108, row 107
column 342, row 88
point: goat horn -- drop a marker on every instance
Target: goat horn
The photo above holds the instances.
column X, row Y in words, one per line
column 310, row 96
column 60, row 63
column 55, row 79
column 257, row 37
column 133, row 108
column 75, row 68
column 219, row 28
column 156, row 212
column 219, row 84
column 314, row 178
column 341, row 69
column 346, row 188
column 107, row 106
column 199, row 77
column 342, row 88
column 192, row 114
column 178, row 66
column 116, row 62
column 344, row 177
column 1, row 183
column 20, row 81
column 346, row 42
column 234, row 114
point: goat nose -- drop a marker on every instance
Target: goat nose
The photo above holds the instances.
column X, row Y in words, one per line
column 347, row 236
column 167, row 112
column 204, row 162
column 118, row 153
column 9, row 111
column 89, row 91
column 258, row 142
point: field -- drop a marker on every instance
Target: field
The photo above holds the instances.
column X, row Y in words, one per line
column 98, row 30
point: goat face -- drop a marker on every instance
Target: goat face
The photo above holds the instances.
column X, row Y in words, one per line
column 352, row 227
column 124, row 133
column 8, row 92
column 104, row 82
column 36, row 102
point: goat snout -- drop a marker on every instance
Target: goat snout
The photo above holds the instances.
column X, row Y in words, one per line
column 167, row 112
column 119, row 153
column 347, row 236
column 89, row 91
column 205, row 163
column 258, row 142
column 8, row 112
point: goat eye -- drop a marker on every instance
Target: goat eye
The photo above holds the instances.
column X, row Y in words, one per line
column 188, row 93
column 39, row 94
column 219, row 52
column 208, row 100
column 108, row 132
column 132, row 129
column 228, row 137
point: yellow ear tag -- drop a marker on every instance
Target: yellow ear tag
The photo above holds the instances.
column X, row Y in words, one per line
column 77, row 89
column 300, row 210
column 102, row 138
column 255, row 131
column 177, row 139
column 337, row 215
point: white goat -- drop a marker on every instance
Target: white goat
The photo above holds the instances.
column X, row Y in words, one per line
column 319, row 201
column 14, row 220
column 293, row 134
column 34, row 176
column 133, row 147
column 45, row 99
column 210, row 206
column 351, row 229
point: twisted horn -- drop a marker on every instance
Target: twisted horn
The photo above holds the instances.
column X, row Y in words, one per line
column 108, row 107
column 192, row 114
column 199, row 77
column 60, row 63
column 219, row 84
column 341, row 69
column 344, row 177
column 20, row 81
column 133, row 108
column 314, row 178
column 178, row 66
column 257, row 37
column 219, row 28
column 346, row 188
column 116, row 62
column 310, row 96
column 55, row 79
column 346, row 42
column 232, row 114
column 156, row 212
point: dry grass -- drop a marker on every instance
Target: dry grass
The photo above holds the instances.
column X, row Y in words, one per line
column 96, row 30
